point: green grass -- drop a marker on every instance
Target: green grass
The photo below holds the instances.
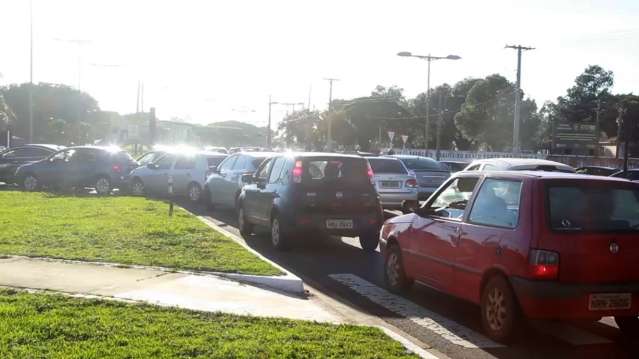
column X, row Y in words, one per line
column 56, row 326
column 129, row 230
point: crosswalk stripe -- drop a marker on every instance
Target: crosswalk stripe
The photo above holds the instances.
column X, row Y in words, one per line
column 448, row 329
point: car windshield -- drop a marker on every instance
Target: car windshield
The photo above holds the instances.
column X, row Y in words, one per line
column 383, row 166
column 423, row 164
column 599, row 208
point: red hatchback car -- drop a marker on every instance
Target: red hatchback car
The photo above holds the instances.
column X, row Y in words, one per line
column 539, row 245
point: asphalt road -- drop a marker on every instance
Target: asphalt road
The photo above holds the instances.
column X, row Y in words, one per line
column 341, row 270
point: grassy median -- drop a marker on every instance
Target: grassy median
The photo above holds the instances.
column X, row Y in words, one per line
column 56, row 326
column 129, row 230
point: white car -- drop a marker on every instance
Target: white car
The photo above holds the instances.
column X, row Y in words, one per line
column 188, row 172
column 518, row 164
column 396, row 185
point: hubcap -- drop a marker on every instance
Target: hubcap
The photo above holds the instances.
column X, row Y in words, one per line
column 392, row 269
column 30, row 183
column 275, row 232
column 138, row 188
column 194, row 193
column 102, row 186
column 496, row 309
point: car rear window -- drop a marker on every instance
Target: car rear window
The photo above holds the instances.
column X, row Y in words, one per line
column 257, row 161
column 598, row 208
column 381, row 165
column 335, row 171
column 423, row 164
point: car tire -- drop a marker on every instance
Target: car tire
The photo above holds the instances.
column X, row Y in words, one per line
column 369, row 240
column 499, row 310
column 137, row 187
column 246, row 229
column 103, row 186
column 194, row 192
column 394, row 272
column 629, row 326
column 30, row 183
column 279, row 235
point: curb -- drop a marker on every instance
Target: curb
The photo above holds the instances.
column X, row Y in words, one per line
column 289, row 283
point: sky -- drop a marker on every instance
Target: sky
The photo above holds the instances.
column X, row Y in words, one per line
column 210, row 61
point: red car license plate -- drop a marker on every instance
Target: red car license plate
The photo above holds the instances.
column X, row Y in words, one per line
column 339, row 224
column 610, row 301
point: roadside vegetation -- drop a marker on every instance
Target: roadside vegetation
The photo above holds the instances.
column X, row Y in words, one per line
column 48, row 325
column 128, row 230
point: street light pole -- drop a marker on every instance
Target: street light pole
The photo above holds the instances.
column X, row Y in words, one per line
column 517, row 119
column 268, row 133
column 329, row 145
column 30, row 71
column 429, row 59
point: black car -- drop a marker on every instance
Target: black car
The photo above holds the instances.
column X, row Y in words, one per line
column 596, row 170
column 308, row 193
column 631, row 174
column 102, row 168
column 12, row 158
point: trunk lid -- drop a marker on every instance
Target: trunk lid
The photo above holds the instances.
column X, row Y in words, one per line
column 594, row 226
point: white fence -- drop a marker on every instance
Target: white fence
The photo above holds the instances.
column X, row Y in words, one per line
column 468, row 156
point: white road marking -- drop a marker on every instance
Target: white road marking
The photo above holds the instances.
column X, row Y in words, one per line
column 449, row 330
column 570, row 334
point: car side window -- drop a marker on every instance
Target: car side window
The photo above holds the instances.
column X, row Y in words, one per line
column 277, row 169
column 60, row 155
column 489, row 167
column 185, row 163
column 165, row 162
column 497, row 203
column 85, row 156
column 451, row 202
column 474, row 168
column 241, row 164
column 285, row 174
column 263, row 171
column 227, row 164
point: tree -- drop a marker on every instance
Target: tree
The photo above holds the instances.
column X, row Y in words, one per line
column 486, row 116
column 61, row 104
column 300, row 129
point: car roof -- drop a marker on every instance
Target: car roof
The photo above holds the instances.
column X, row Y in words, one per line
column 325, row 154
column 257, row 154
column 546, row 175
column 415, row 157
column 42, row 145
column 513, row 162
column 383, row 158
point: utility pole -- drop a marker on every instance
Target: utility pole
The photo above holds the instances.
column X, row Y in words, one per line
column 329, row 136
column 517, row 120
column 597, row 127
column 137, row 103
column 268, row 130
column 31, row 71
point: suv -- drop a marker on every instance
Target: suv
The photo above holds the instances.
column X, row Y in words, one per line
column 224, row 185
column 15, row 157
column 102, row 168
column 304, row 193
column 188, row 172
column 545, row 245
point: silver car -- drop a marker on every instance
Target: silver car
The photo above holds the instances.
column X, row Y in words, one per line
column 224, row 185
column 396, row 186
column 518, row 164
column 188, row 171
column 430, row 174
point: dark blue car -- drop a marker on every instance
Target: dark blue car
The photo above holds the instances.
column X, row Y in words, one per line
column 293, row 194
column 102, row 168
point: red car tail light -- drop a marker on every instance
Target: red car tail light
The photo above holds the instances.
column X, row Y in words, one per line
column 543, row 264
column 298, row 170
column 116, row 168
column 411, row 183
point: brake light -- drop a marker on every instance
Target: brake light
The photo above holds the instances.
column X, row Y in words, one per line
column 370, row 173
column 543, row 264
column 411, row 183
column 298, row 170
column 116, row 168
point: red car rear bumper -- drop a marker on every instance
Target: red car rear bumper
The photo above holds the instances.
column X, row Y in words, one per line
column 555, row 300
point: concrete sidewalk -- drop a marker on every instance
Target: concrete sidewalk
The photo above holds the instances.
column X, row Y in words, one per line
column 190, row 291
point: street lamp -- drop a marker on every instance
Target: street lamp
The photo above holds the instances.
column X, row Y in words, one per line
column 428, row 58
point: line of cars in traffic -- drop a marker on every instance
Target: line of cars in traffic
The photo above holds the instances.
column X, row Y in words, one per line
column 519, row 238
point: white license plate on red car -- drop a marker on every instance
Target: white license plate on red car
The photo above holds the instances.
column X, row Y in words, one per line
column 610, row 301
column 339, row 224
